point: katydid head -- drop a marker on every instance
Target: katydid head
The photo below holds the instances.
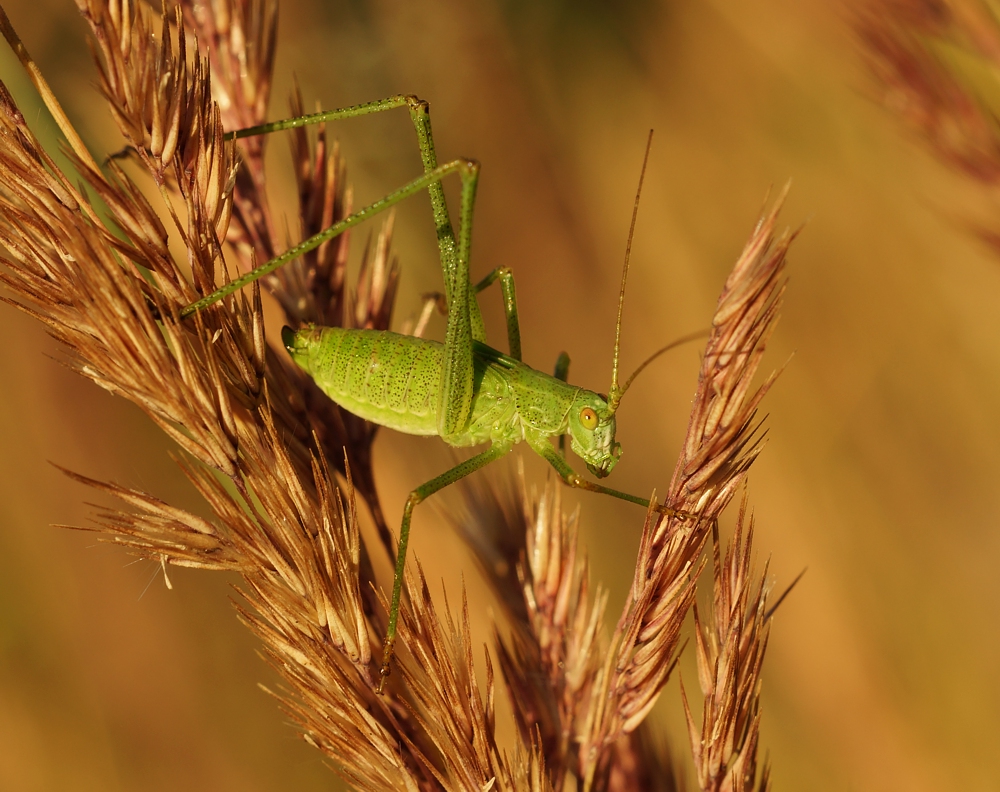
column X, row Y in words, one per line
column 592, row 433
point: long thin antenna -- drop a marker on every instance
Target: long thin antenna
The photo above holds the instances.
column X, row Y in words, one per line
column 676, row 343
column 615, row 393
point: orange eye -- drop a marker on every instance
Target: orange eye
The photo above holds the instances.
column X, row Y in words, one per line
column 588, row 418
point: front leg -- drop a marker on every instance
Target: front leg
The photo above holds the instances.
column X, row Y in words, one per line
column 571, row 478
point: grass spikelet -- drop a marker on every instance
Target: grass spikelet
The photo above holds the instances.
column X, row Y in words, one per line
column 730, row 652
column 722, row 442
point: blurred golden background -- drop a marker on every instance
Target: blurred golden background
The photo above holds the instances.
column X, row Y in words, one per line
column 880, row 474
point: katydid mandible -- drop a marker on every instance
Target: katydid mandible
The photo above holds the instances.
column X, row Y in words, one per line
column 463, row 390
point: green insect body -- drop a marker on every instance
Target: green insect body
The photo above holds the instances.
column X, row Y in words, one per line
column 463, row 390
column 395, row 381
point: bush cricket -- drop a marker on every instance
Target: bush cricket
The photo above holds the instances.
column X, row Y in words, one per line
column 462, row 390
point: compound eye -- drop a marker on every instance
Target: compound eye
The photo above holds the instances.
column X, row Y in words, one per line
column 588, row 418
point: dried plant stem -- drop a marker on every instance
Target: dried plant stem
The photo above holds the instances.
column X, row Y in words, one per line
column 44, row 92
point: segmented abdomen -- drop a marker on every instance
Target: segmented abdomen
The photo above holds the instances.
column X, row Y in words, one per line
column 389, row 379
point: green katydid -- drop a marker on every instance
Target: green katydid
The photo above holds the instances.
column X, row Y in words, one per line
column 463, row 390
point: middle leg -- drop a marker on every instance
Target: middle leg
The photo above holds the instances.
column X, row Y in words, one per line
column 421, row 493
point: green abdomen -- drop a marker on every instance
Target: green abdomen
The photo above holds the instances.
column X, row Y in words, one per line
column 389, row 379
